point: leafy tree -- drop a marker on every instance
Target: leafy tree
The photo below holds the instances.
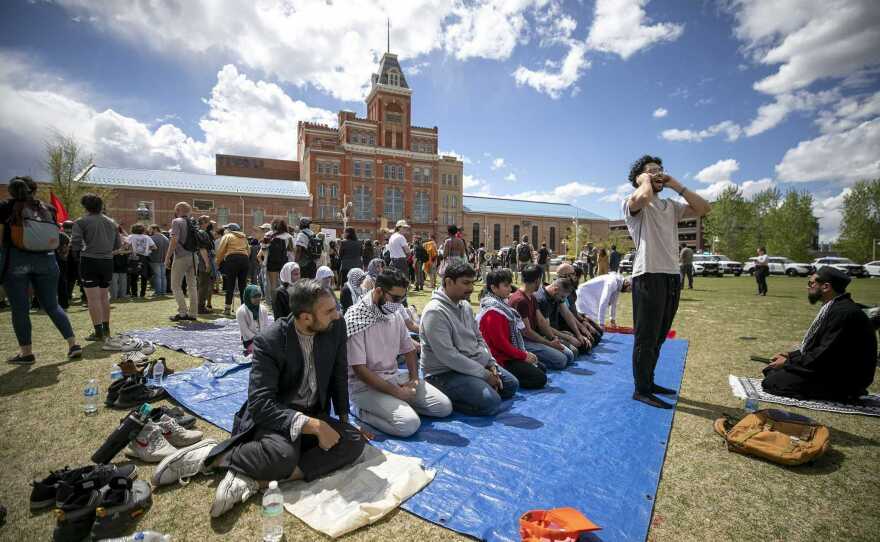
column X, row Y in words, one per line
column 860, row 224
column 792, row 228
column 572, row 239
column 732, row 222
column 65, row 159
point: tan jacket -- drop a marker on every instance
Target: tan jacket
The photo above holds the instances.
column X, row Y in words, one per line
column 234, row 242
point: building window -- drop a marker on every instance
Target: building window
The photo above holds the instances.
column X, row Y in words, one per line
column 535, row 242
column 553, row 238
column 368, row 169
column 443, row 179
column 394, row 79
column 393, row 117
column 259, row 217
column 417, row 174
column 393, row 204
column 393, row 171
column 321, row 191
column 372, row 139
column 426, row 174
column 203, row 205
column 334, row 191
column 455, row 180
column 516, row 233
column 454, row 201
column 363, row 203
column 335, row 169
column 357, row 168
column 222, row 216
column 422, row 207
column 476, row 234
column 292, row 218
column 496, row 237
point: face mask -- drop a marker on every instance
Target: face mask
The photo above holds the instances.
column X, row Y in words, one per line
column 388, row 307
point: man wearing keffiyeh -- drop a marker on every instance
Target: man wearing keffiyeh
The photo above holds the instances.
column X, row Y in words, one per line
column 384, row 396
column 837, row 358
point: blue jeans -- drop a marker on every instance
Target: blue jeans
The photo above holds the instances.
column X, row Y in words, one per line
column 119, row 286
column 551, row 357
column 40, row 272
column 472, row 395
column 159, row 285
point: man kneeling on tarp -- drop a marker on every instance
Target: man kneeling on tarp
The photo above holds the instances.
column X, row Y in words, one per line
column 837, row 357
column 284, row 430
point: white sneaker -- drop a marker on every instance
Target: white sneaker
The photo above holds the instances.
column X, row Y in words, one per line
column 113, row 343
column 150, row 446
column 148, row 348
column 131, row 345
column 176, row 435
column 183, row 464
column 235, row 488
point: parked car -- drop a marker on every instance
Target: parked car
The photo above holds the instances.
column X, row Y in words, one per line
column 626, row 263
column 780, row 265
column 846, row 265
column 873, row 268
column 706, row 264
column 556, row 260
column 728, row 266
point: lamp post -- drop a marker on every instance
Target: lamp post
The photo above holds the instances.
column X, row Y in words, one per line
column 874, row 249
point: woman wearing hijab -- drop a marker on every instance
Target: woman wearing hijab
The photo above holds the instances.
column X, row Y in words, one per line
column 374, row 269
column 290, row 273
column 351, row 290
column 252, row 317
column 325, row 276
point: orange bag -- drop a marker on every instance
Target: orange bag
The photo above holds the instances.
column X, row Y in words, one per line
column 552, row 525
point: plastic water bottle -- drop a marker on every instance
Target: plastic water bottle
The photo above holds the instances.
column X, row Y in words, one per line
column 115, row 374
column 90, row 395
column 273, row 513
column 159, row 373
column 142, row 536
column 751, row 404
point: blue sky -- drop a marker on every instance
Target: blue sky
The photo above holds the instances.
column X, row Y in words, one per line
column 543, row 99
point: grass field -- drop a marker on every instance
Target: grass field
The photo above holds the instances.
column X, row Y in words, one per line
column 706, row 493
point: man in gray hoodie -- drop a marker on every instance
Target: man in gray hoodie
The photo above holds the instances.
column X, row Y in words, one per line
column 455, row 358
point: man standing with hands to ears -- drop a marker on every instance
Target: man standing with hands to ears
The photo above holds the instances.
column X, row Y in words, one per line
column 656, row 280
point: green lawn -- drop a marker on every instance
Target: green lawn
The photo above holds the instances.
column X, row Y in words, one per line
column 706, row 493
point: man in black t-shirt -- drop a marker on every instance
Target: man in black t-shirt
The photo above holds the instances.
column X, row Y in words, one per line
column 543, row 261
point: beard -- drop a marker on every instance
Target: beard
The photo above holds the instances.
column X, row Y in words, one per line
column 814, row 298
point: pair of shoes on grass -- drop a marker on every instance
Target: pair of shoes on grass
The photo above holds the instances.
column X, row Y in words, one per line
column 161, row 438
column 74, row 352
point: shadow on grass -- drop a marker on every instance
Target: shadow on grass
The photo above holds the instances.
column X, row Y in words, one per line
column 30, row 377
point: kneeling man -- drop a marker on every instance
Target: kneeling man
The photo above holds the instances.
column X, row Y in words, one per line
column 385, row 397
column 597, row 298
column 838, row 355
column 284, row 431
column 455, row 358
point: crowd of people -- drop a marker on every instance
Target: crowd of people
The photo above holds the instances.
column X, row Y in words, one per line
column 344, row 335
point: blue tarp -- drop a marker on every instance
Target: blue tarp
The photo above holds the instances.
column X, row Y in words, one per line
column 218, row 341
column 581, row 441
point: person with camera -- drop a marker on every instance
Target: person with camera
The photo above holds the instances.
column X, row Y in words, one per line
column 652, row 222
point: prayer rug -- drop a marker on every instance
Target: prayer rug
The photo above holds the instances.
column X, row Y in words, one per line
column 744, row 387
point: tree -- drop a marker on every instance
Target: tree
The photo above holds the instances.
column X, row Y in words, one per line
column 764, row 203
column 732, row 222
column 860, row 223
column 65, row 159
column 792, row 228
column 572, row 238
column 620, row 239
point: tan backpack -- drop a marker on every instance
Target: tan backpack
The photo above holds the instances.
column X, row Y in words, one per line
column 775, row 435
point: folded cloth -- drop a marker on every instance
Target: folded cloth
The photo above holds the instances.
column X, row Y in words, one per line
column 361, row 494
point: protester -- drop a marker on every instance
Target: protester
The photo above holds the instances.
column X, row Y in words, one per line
column 523, row 254
column 157, row 259
column 233, row 261
column 452, row 251
column 384, row 396
column 686, row 266
column 601, row 261
column 289, row 274
column 539, row 337
column 366, row 253
column 351, row 290
column 121, row 257
column 501, row 327
column 181, row 259
column 544, row 262
column 284, row 430
column 398, row 247
column 252, row 316
column 205, row 269
column 308, row 249
column 656, row 277
column 350, row 251
column 762, row 269
column 614, row 260
column 142, row 246
column 597, row 297
column 585, row 325
column 838, row 355
column 589, row 255
column 278, row 251
column 375, row 267
column 551, row 300
column 22, row 268
column 430, row 266
column 455, row 358
column 420, row 258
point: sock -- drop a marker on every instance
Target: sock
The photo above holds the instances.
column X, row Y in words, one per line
column 99, row 331
column 106, row 327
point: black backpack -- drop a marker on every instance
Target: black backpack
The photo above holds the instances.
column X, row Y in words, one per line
column 524, row 252
column 277, row 253
column 420, row 253
column 191, row 243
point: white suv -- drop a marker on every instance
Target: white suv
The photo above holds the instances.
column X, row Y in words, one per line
column 728, row 266
column 706, row 265
column 780, row 265
column 843, row 264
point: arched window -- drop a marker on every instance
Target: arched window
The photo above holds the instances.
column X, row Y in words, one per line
column 535, row 241
column 552, row 238
column 515, row 233
column 496, row 236
column 476, row 234
column 393, row 204
column 422, row 207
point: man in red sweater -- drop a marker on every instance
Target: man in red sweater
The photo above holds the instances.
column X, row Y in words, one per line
column 501, row 327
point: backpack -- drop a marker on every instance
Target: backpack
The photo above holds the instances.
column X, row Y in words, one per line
column 420, row 253
column 524, row 252
column 775, row 435
column 316, row 246
column 277, row 253
column 33, row 228
column 191, row 243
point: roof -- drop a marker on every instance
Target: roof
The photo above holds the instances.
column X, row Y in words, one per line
column 388, row 62
column 482, row 204
column 181, row 181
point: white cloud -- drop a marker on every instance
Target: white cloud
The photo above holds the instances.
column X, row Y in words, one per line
column 750, row 188
column 829, row 211
column 565, row 193
column 243, row 117
column 459, row 156
column 809, row 40
column 732, row 130
column 849, row 113
column 622, row 191
column 490, row 29
column 848, row 155
column 497, row 163
column 622, row 27
column 769, row 115
column 510, row 177
column 714, row 190
column 659, row 113
column 554, row 82
column 475, row 187
column 719, row 171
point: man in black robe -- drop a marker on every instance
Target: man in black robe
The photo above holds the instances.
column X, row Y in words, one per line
column 838, row 355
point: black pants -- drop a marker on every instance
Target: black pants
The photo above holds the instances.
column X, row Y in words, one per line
column 687, row 271
column 761, row 279
column 273, row 456
column 655, row 301
column 531, row 377
column 63, row 288
column 235, row 271
column 205, row 289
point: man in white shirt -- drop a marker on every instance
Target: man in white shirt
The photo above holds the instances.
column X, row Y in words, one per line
column 656, row 278
column 762, row 269
column 596, row 296
column 398, row 247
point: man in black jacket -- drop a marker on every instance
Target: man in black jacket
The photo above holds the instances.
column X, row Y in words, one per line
column 284, row 431
column 838, row 355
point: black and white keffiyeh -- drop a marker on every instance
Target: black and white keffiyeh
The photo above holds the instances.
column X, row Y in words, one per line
column 356, row 277
column 814, row 327
column 362, row 315
column 491, row 302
